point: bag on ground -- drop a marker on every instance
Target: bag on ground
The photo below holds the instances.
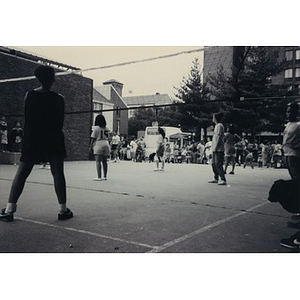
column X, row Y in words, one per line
column 286, row 192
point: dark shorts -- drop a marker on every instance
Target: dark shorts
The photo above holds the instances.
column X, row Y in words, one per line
column 114, row 147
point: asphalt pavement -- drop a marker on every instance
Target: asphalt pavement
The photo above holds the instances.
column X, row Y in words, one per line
column 139, row 210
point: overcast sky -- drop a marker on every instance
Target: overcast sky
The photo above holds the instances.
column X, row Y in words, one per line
column 143, row 78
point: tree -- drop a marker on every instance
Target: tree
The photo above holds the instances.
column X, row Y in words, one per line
column 195, row 110
column 144, row 117
column 251, row 80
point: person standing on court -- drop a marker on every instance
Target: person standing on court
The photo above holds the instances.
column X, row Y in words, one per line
column 3, row 134
column 100, row 146
column 229, row 140
column 291, row 149
column 43, row 142
column 160, row 150
column 218, row 151
column 115, row 143
column 16, row 135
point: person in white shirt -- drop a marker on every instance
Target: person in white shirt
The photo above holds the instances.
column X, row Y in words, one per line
column 100, row 146
column 207, row 151
column 115, row 143
column 160, row 150
column 133, row 146
column 291, row 149
column 218, row 151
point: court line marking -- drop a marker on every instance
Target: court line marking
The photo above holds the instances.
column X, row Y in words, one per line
column 203, row 229
column 86, row 232
column 154, row 249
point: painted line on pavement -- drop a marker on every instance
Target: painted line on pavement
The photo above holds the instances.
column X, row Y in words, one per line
column 154, row 249
column 86, row 232
column 203, row 229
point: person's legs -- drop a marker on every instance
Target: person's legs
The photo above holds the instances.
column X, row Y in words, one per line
column 157, row 163
column 57, row 170
column 105, row 166
column 251, row 163
column 219, row 165
column 293, row 165
column 19, row 182
column 227, row 161
column 214, row 165
column 98, row 164
column 163, row 163
column 16, row 190
column 233, row 164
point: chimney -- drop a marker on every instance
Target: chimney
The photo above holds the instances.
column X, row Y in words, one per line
column 116, row 84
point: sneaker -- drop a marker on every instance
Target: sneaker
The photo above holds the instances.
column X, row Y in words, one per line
column 65, row 215
column 97, row 179
column 6, row 217
column 295, row 225
column 292, row 242
column 222, row 182
column 213, row 181
column 231, row 173
column 105, row 178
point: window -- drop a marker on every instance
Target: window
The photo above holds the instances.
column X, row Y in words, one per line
column 288, row 73
column 297, row 72
column 152, row 131
column 297, row 54
column 289, row 55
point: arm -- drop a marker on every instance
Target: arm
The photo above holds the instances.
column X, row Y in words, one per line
column 91, row 144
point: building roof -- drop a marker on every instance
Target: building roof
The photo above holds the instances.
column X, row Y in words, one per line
column 156, row 99
column 112, row 81
column 34, row 58
column 106, row 92
column 99, row 97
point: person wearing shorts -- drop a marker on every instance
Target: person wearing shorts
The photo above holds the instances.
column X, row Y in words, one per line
column 115, row 144
column 43, row 142
column 160, row 151
column 99, row 146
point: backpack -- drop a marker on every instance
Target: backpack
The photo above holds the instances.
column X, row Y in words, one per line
column 286, row 192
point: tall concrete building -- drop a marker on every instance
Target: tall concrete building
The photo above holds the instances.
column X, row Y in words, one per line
column 227, row 57
column 291, row 75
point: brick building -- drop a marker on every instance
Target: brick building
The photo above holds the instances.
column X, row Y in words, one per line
column 77, row 90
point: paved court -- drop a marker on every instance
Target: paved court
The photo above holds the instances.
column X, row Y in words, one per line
column 141, row 211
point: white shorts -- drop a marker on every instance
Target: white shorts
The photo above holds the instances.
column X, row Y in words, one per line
column 101, row 148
